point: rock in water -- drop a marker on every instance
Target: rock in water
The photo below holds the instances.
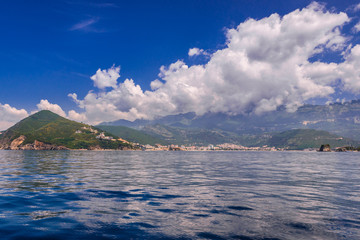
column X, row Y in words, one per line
column 341, row 149
column 325, row 148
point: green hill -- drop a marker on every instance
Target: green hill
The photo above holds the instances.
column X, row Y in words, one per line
column 51, row 129
column 299, row 139
column 133, row 135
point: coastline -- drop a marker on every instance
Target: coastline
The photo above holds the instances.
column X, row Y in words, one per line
column 140, row 150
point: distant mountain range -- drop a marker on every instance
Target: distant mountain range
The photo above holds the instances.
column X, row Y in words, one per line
column 297, row 139
column 309, row 127
column 336, row 124
column 46, row 130
column 337, row 118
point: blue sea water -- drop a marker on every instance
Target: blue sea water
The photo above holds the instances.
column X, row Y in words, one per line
column 179, row 195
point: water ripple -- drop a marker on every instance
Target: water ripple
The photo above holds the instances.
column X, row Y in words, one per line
column 180, row 195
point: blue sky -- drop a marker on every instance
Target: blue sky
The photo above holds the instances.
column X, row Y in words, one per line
column 50, row 49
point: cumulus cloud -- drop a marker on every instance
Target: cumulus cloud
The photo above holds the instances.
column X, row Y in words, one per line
column 264, row 65
column 10, row 115
column 106, row 78
column 79, row 117
column 348, row 71
column 196, row 51
column 55, row 108
column 156, row 84
column 46, row 105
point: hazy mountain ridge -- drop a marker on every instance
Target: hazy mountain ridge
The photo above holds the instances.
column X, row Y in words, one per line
column 340, row 119
column 308, row 138
column 297, row 139
column 336, row 123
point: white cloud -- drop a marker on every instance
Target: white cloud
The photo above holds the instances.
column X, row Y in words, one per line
column 196, row 51
column 55, row 108
column 79, row 117
column 264, row 65
column 106, row 78
column 356, row 28
column 348, row 71
column 357, row 7
column 156, row 84
column 46, row 105
column 10, row 115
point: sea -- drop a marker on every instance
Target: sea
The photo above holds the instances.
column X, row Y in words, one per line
column 179, row 195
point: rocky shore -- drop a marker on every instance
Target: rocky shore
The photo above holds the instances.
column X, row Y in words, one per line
column 17, row 144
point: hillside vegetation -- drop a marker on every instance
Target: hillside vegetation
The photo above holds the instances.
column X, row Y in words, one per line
column 46, row 130
column 299, row 139
column 132, row 135
column 50, row 128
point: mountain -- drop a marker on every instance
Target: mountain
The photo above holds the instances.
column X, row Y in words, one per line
column 280, row 128
column 299, row 139
column 133, row 135
column 47, row 130
column 179, row 120
column 200, row 136
column 341, row 119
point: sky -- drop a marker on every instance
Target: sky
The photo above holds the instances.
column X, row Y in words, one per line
column 95, row 61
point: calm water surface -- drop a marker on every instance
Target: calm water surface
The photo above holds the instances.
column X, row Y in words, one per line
column 179, row 195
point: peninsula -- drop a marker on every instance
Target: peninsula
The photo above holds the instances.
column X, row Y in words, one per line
column 46, row 130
